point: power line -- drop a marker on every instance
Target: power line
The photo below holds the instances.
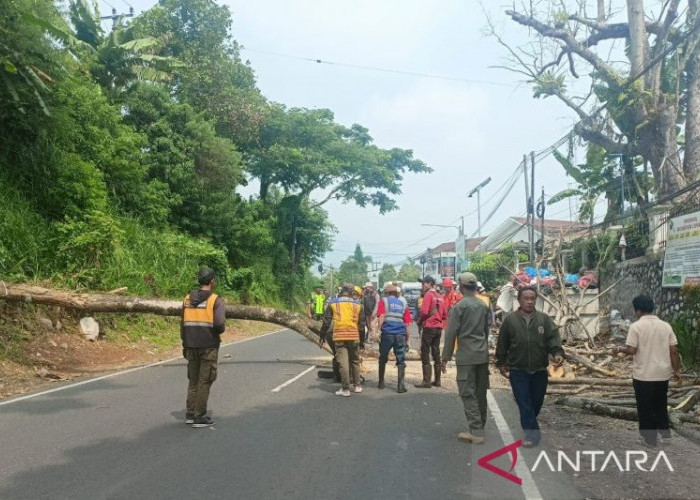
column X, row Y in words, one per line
column 383, row 70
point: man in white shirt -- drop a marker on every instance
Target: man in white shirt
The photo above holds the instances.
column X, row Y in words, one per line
column 653, row 344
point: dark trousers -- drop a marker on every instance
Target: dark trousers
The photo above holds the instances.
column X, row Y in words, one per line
column 395, row 342
column 430, row 344
column 529, row 390
column 652, row 407
column 201, row 373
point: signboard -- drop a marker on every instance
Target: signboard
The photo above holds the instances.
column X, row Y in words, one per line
column 447, row 265
column 682, row 258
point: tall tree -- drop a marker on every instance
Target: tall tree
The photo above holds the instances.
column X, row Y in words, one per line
column 634, row 108
column 387, row 274
column 409, row 271
column 354, row 268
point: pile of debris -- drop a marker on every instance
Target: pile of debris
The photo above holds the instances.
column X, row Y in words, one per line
column 594, row 380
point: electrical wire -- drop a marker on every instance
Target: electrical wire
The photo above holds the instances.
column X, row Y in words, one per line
column 383, row 70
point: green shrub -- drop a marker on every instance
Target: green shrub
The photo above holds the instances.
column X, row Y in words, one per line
column 23, row 236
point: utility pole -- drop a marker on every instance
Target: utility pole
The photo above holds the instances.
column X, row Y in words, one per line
column 532, row 209
column 116, row 17
column 542, row 220
column 527, row 202
column 477, row 190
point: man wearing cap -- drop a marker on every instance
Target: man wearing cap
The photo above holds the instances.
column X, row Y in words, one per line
column 394, row 318
column 348, row 325
column 432, row 319
column 481, row 295
column 467, row 323
column 203, row 321
column 317, row 304
column 452, row 296
column 370, row 301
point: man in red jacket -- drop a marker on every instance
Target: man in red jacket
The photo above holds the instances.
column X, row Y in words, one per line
column 432, row 318
column 451, row 295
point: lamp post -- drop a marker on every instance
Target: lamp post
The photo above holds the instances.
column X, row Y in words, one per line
column 477, row 190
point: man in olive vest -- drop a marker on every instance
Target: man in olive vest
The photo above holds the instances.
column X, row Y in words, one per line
column 317, row 304
column 203, row 321
column 348, row 325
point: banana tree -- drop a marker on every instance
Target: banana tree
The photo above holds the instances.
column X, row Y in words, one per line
column 120, row 59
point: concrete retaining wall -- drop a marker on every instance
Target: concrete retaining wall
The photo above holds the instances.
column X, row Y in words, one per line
column 642, row 276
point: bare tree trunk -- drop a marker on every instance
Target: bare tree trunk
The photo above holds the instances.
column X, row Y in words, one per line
column 691, row 159
column 658, row 144
column 638, row 38
column 601, row 11
column 96, row 303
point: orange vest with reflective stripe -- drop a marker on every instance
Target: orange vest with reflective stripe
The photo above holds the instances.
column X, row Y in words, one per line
column 346, row 319
column 201, row 315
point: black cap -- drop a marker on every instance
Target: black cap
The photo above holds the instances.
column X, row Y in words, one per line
column 205, row 276
column 428, row 279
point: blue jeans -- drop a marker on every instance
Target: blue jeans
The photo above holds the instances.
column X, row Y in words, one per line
column 529, row 390
column 396, row 342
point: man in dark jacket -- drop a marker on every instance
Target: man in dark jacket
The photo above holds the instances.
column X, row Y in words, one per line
column 203, row 321
column 525, row 342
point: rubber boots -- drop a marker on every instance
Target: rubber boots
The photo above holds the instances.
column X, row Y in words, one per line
column 382, row 371
column 437, row 368
column 401, row 388
column 425, row 384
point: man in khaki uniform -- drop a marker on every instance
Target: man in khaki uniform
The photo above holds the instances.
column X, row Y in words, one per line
column 467, row 323
column 653, row 344
column 203, row 321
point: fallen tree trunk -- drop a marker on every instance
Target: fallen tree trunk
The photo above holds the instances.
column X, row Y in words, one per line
column 676, row 418
column 572, row 356
column 598, row 408
column 106, row 303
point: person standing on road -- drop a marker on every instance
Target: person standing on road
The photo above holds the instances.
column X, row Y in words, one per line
column 467, row 323
column 203, row 321
column 432, row 319
column 317, row 304
column 481, row 295
column 370, row 301
column 452, row 296
column 653, row 344
column 348, row 325
column 394, row 318
column 526, row 340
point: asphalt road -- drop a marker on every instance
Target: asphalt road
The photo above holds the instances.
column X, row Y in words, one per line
column 124, row 437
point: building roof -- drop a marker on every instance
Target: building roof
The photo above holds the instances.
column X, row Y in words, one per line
column 448, row 246
column 472, row 243
column 553, row 225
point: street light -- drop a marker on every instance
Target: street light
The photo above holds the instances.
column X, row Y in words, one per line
column 477, row 190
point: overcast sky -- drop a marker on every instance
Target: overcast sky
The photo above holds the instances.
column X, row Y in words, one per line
column 465, row 130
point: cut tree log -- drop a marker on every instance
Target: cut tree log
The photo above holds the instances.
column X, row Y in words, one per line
column 105, row 303
column 688, row 402
column 572, row 356
column 677, row 419
column 598, row 408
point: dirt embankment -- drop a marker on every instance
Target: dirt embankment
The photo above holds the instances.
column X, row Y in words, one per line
column 41, row 346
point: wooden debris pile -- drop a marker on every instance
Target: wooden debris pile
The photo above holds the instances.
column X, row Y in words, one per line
column 596, row 381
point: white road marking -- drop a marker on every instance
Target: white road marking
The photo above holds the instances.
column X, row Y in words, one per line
column 124, row 372
column 530, row 489
column 292, row 380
